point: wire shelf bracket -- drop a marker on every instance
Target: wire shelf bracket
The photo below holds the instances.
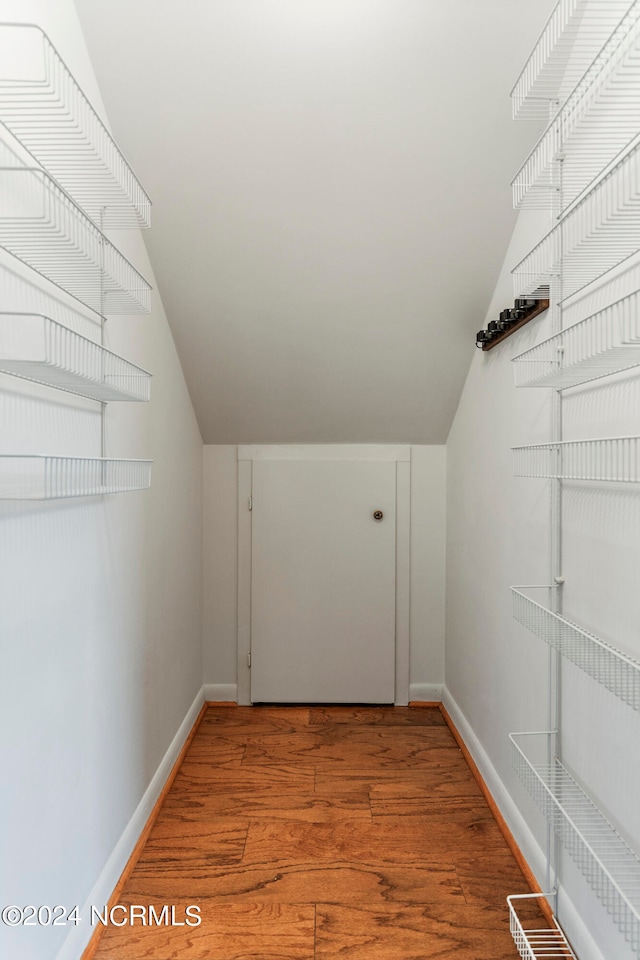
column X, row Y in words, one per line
column 46, row 110
column 617, row 672
column 45, row 229
column 605, row 859
column 37, row 348
column 40, row 477
column 570, row 39
column 549, row 943
column 606, row 342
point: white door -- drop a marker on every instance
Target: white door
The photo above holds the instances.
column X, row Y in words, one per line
column 323, row 578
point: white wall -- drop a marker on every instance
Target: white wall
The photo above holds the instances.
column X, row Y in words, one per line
column 427, row 570
column 498, row 535
column 99, row 600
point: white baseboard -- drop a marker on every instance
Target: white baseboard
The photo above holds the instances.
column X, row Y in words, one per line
column 572, row 922
column 79, row 936
column 221, row 692
column 426, row 692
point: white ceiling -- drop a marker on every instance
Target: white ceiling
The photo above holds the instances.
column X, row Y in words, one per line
column 331, row 198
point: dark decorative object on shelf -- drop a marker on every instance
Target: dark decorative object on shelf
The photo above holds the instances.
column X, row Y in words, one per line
column 509, row 321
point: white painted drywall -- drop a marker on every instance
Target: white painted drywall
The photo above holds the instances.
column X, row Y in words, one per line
column 497, row 535
column 220, row 495
column 100, row 623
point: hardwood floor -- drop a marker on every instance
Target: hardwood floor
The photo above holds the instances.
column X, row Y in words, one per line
column 322, row 833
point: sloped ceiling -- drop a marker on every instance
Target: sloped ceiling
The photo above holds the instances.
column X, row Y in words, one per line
column 331, row 198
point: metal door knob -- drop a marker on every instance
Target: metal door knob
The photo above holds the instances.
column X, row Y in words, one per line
column 378, row 515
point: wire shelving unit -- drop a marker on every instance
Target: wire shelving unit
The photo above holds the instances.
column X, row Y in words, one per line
column 46, row 110
column 609, row 459
column 45, row 229
column 606, row 342
column 567, row 45
column 600, row 232
column 605, row 859
column 41, row 477
column 537, row 942
column 35, row 347
column 585, row 133
column 583, row 78
column 617, row 672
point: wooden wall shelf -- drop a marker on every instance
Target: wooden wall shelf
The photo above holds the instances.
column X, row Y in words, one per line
column 540, row 308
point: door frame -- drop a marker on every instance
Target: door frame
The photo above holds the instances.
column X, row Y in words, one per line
column 401, row 454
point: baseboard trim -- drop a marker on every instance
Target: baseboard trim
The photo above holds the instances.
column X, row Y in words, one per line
column 512, row 824
column 127, row 851
column 221, row 692
column 425, row 692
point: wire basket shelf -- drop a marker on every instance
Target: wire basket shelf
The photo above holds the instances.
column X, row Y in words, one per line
column 39, row 477
column 611, row 459
column 535, row 943
column 44, row 228
column 606, row 342
column 571, row 38
column 605, row 859
column 45, row 109
column 598, row 233
column 35, row 347
column 599, row 118
column 617, row 672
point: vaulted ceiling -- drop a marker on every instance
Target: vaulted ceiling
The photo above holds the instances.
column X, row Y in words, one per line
column 331, row 198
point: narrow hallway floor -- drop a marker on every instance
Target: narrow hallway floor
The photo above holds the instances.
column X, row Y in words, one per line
column 318, row 833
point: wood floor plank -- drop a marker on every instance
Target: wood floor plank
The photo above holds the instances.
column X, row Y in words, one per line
column 242, row 931
column 282, row 778
column 353, row 746
column 388, row 839
column 248, row 720
column 437, row 779
column 455, row 781
column 286, row 882
column 450, row 809
column 387, row 932
column 271, row 806
column 176, row 842
column 392, row 716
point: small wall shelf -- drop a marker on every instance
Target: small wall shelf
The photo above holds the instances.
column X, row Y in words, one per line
column 39, row 477
column 584, row 123
column 598, row 233
column 35, row 347
column 606, row 860
column 540, row 942
column 616, row 672
column 606, row 342
column 44, row 108
column 611, row 459
column 45, row 229
column 565, row 48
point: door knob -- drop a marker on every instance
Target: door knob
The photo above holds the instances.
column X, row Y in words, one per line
column 378, row 515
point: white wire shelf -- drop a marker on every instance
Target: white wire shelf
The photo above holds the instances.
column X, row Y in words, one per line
column 605, row 859
column 598, row 233
column 599, row 118
column 604, row 343
column 535, row 943
column 35, row 347
column 45, row 229
column 45, row 109
column 610, row 459
column 617, row 672
column 571, row 38
column 38, row 477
